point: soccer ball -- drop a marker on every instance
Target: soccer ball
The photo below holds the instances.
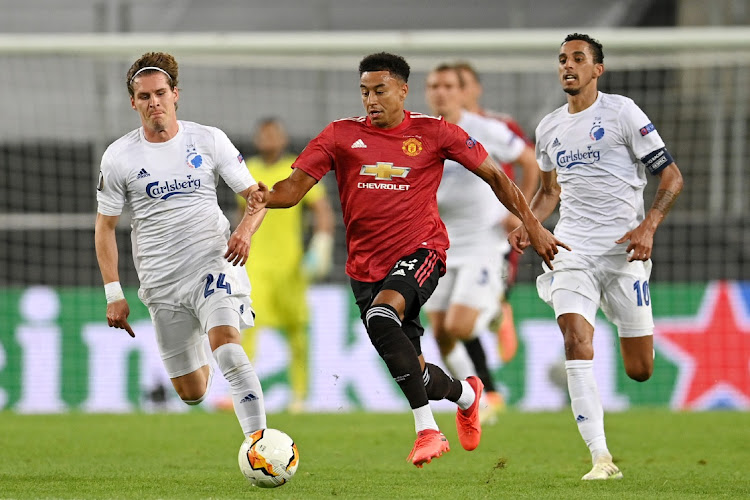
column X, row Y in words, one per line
column 268, row 458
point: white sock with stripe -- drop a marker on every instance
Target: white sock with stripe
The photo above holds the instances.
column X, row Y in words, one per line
column 247, row 394
column 586, row 405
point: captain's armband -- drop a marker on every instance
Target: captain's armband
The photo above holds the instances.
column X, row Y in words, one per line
column 657, row 160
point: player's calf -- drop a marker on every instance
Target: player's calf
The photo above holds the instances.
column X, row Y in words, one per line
column 439, row 385
column 397, row 351
column 247, row 394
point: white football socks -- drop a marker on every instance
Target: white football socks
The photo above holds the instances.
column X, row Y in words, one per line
column 459, row 362
column 586, row 405
column 247, row 394
column 424, row 419
column 467, row 396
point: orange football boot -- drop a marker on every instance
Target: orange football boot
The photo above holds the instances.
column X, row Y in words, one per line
column 430, row 444
column 467, row 421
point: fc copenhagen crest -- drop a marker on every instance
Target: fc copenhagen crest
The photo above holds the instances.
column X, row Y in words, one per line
column 412, row 146
column 193, row 159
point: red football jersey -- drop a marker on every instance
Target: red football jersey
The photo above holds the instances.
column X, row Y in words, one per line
column 388, row 181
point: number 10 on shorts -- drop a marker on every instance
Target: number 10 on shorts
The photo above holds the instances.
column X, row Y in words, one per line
column 643, row 295
column 220, row 283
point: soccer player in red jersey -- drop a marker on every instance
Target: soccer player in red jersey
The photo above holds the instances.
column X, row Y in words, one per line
column 388, row 166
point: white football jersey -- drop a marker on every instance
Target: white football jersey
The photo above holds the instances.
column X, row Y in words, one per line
column 177, row 223
column 468, row 206
column 597, row 153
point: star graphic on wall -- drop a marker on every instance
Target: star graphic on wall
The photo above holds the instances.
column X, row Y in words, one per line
column 711, row 350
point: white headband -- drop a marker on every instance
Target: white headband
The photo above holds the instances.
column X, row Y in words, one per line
column 147, row 68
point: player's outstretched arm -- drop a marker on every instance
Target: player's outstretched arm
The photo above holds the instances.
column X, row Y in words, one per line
column 509, row 195
column 107, row 256
column 642, row 237
column 542, row 205
column 285, row 193
column 529, row 182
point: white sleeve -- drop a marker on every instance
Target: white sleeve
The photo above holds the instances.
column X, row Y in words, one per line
column 504, row 144
column 542, row 156
column 110, row 187
column 231, row 164
column 638, row 131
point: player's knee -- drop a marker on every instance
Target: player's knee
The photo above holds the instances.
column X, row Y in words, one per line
column 638, row 356
column 445, row 344
column 639, row 375
column 192, row 395
column 578, row 347
column 444, row 340
column 193, row 392
column 381, row 319
column 639, row 371
column 192, row 400
column 458, row 330
column 578, row 335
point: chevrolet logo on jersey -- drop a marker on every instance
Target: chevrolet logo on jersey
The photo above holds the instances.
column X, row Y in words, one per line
column 384, row 171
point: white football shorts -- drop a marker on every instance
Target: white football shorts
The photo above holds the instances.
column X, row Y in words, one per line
column 477, row 284
column 581, row 284
column 184, row 311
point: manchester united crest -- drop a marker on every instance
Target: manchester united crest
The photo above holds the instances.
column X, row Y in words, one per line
column 412, row 146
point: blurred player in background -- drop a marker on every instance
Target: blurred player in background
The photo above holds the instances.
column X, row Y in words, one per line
column 189, row 267
column 388, row 165
column 528, row 183
column 469, row 294
column 278, row 265
column 594, row 152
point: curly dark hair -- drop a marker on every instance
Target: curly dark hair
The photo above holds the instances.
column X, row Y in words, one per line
column 384, row 61
column 594, row 45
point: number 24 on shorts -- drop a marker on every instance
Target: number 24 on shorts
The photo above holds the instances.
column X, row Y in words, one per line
column 220, row 283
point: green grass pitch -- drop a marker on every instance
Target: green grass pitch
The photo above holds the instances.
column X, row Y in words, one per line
column 662, row 454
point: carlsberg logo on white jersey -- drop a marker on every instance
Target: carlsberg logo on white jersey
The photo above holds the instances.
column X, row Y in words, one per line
column 568, row 159
column 165, row 189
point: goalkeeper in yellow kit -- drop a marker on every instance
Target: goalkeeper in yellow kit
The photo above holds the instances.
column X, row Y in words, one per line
column 278, row 264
